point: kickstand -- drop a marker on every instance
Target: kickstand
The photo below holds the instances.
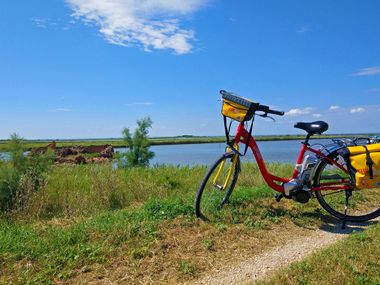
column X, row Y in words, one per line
column 278, row 197
column 348, row 195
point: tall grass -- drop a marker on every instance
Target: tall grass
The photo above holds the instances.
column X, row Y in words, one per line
column 88, row 189
column 21, row 176
column 75, row 191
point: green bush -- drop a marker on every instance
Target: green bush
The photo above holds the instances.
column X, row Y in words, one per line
column 21, row 175
column 138, row 144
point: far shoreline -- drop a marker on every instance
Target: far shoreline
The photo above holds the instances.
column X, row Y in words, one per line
column 160, row 141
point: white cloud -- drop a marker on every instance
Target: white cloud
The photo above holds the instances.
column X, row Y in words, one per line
column 44, row 23
column 317, row 115
column 298, row 112
column 139, row 104
column 153, row 24
column 334, row 108
column 375, row 70
column 40, row 22
column 60, row 110
column 357, row 110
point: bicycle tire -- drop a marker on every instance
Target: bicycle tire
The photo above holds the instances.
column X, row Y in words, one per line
column 364, row 207
column 210, row 199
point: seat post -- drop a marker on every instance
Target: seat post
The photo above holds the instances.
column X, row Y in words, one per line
column 307, row 139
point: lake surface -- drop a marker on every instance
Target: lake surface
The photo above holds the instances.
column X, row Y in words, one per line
column 206, row 154
column 4, row 156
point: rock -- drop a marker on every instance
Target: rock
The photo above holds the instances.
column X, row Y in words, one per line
column 66, row 151
column 63, row 160
column 98, row 160
column 43, row 149
column 95, row 148
column 80, row 160
column 107, row 152
column 76, row 154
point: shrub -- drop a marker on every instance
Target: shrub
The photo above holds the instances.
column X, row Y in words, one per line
column 21, row 175
column 138, row 144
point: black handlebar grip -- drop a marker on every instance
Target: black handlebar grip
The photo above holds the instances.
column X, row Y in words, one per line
column 274, row 112
column 267, row 110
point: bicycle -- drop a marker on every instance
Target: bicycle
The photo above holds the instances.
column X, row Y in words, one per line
column 323, row 174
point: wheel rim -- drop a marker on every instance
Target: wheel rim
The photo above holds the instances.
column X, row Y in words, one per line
column 216, row 188
column 363, row 204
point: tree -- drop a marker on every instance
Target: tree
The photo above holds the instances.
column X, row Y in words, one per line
column 138, row 153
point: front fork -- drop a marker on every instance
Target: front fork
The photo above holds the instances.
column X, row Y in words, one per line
column 223, row 185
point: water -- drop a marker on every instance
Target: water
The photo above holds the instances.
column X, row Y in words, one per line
column 206, row 154
column 4, row 156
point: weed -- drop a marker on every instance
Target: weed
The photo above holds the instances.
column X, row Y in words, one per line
column 222, row 228
column 208, row 244
column 139, row 253
column 187, row 268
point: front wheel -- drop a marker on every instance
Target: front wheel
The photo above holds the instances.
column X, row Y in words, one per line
column 217, row 186
column 363, row 204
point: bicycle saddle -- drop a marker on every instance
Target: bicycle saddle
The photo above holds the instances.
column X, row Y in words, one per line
column 313, row 128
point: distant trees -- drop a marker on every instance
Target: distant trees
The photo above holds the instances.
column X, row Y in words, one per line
column 138, row 153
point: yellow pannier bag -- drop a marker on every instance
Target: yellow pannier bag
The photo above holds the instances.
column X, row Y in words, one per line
column 237, row 108
column 365, row 160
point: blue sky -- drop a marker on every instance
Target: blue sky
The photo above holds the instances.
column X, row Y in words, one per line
column 88, row 68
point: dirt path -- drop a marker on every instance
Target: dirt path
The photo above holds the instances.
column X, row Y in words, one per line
column 296, row 249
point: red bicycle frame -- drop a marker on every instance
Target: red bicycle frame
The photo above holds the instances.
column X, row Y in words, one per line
column 243, row 136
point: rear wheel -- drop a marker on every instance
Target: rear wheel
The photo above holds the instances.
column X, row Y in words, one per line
column 217, row 186
column 364, row 204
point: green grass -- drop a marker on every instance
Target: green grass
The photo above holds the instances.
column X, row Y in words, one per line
column 87, row 214
column 89, row 189
column 54, row 252
column 92, row 216
column 84, row 190
column 354, row 260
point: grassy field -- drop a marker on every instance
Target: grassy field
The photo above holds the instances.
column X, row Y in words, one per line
column 92, row 223
column 91, row 220
column 29, row 144
column 354, row 260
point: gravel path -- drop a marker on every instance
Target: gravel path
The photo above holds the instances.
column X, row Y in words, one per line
column 296, row 249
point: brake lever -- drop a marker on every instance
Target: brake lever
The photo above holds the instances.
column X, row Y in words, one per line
column 266, row 116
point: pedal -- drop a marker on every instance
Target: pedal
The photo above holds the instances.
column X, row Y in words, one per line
column 278, row 197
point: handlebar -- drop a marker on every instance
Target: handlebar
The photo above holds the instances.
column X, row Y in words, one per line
column 267, row 110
